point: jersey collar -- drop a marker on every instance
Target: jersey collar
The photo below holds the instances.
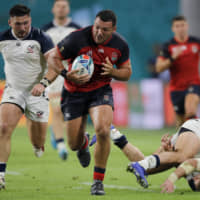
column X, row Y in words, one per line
column 13, row 34
column 66, row 24
column 180, row 42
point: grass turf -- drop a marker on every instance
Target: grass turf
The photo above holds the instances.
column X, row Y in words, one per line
column 49, row 178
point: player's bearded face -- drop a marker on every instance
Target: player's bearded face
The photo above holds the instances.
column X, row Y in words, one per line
column 20, row 25
column 102, row 30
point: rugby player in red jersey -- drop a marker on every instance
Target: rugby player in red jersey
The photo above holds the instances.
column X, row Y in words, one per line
column 181, row 56
column 83, row 95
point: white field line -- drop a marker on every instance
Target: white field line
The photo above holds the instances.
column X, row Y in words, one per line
column 13, row 173
column 154, row 188
column 122, row 187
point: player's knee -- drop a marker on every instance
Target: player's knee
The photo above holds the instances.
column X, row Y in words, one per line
column 5, row 130
column 190, row 114
column 103, row 131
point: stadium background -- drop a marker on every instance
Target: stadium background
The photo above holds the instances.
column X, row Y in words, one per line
column 145, row 25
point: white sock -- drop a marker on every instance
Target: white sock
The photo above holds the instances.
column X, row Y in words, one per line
column 38, row 152
column 60, row 146
column 2, row 174
column 115, row 134
column 149, row 162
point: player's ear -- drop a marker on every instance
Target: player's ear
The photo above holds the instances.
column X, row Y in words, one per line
column 9, row 22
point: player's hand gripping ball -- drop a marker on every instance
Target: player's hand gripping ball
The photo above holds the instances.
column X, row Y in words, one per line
column 84, row 63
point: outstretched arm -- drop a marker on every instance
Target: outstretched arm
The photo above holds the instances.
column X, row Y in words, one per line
column 183, row 170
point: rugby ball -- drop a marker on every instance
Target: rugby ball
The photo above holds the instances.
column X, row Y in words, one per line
column 84, row 63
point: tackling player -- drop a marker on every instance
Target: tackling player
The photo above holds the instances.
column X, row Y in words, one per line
column 25, row 50
column 181, row 56
column 82, row 95
column 185, row 144
column 57, row 29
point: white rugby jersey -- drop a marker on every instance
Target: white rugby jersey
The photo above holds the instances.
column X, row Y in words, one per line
column 57, row 33
column 24, row 63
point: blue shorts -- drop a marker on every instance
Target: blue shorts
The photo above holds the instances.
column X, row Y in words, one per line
column 77, row 104
column 178, row 98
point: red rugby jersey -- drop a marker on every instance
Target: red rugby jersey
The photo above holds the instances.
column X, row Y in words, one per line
column 81, row 42
column 185, row 69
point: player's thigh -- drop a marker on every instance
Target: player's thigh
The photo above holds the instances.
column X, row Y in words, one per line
column 191, row 102
column 10, row 115
column 101, row 116
column 75, row 130
column 101, row 108
column 188, row 144
column 37, row 130
column 12, row 106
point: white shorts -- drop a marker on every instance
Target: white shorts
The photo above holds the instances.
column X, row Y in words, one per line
column 193, row 125
column 34, row 108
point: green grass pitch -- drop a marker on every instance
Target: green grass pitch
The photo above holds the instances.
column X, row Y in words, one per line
column 49, row 178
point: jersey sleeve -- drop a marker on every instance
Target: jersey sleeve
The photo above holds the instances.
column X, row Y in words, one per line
column 124, row 55
column 164, row 53
column 68, row 46
column 45, row 42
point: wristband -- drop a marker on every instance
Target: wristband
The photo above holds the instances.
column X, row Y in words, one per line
column 45, row 82
column 187, row 167
column 63, row 73
column 173, row 177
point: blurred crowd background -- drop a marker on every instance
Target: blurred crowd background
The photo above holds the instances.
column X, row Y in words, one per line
column 143, row 102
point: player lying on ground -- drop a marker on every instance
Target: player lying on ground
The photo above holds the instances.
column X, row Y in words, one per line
column 185, row 144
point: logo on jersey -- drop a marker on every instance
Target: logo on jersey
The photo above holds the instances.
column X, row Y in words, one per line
column 30, row 49
column 182, row 47
column 67, row 115
column 114, row 56
column 101, row 50
column 194, row 49
column 39, row 114
column 191, row 89
column 106, row 98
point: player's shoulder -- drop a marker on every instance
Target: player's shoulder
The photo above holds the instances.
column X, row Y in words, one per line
column 6, row 35
column 38, row 34
column 118, row 41
column 169, row 42
column 192, row 39
column 47, row 26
